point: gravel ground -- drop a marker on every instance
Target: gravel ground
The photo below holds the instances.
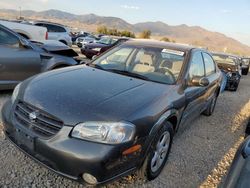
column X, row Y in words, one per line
column 200, row 156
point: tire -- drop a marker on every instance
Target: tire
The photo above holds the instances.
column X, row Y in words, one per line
column 154, row 163
column 236, row 86
column 245, row 71
column 210, row 109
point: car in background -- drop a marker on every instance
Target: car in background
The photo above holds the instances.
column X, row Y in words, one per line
column 96, row 122
column 82, row 41
column 27, row 31
column 82, row 35
column 230, row 65
column 245, row 65
column 21, row 59
column 56, row 31
column 239, row 173
column 105, row 43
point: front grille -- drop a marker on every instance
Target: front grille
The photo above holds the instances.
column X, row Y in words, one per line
column 40, row 123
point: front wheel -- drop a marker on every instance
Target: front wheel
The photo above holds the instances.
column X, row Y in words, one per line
column 159, row 152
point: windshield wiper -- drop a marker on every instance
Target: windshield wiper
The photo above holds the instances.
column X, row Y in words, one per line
column 127, row 73
column 95, row 66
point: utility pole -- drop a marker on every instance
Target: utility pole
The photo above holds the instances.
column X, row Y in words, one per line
column 20, row 12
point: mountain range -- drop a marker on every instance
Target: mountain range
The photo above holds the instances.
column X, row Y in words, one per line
column 193, row 35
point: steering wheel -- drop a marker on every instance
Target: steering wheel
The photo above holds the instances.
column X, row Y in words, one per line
column 167, row 71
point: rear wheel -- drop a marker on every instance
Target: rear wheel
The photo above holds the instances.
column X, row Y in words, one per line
column 245, row 71
column 236, row 86
column 159, row 152
column 210, row 109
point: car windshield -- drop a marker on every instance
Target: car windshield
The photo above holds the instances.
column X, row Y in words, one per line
column 225, row 59
column 148, row 63
column 106, row 40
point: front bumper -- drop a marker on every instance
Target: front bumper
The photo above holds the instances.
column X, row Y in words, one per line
column 68, row 156
column 233, row 81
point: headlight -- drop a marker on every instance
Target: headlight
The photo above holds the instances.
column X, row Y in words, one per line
column 97, row 49
column 15, row 93
column 104, row 132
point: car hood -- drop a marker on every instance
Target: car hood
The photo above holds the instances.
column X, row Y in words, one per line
column 227, row 67
column 82, row 93
column 55, row 47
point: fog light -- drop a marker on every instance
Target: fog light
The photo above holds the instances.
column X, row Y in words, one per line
column 89, row 179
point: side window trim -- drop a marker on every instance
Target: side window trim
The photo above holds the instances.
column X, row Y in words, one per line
column 191, row 58
column 207, row 75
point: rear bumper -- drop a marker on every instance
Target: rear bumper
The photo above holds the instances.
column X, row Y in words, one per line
column 68, row 156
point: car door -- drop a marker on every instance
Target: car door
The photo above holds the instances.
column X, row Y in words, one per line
column 195, row 95
column 212, row 75
column 16, row 61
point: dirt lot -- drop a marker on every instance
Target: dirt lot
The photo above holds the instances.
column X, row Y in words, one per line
column 200, row 156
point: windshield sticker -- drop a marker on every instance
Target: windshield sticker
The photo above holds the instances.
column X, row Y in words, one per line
column 174, row 52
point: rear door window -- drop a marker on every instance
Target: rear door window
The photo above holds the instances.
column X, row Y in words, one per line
column 54, row 28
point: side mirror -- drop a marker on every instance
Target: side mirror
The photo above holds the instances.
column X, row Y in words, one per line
column 198, row 81
column 24, row 43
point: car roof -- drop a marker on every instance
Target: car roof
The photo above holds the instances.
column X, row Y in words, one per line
column 224, row 54
column 52, row 23
column 162, row 44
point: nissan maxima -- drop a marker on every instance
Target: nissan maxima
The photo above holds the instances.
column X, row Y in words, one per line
column 97, row 122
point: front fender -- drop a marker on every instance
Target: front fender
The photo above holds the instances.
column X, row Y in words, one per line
column 57, row 61
column 163, row 118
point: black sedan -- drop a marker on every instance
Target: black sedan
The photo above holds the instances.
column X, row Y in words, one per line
column 230, row 65
column 94, row 49
column 96, row 122
column 20, row 58
column 239, row 173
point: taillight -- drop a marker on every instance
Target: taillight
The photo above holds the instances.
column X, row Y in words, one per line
column 46, row 36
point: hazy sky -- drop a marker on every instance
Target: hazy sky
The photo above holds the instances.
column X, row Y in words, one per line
column 230, row 17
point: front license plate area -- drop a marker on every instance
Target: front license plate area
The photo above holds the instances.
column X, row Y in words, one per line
column 24, row 140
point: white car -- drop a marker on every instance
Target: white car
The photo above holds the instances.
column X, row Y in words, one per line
column 82, row 41
column 30, row 32
column 56, row 31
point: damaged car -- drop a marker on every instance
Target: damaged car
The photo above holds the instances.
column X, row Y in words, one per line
column 230, row 65
column 245, row 65
column 20, row 58
column 96, row 122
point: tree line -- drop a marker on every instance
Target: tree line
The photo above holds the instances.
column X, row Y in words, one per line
column 145, row 34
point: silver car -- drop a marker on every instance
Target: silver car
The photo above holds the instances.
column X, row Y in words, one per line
column 56, row 32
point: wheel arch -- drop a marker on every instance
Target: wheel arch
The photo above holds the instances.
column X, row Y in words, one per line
column 22, row 33
column 170, row 116
column 63, row 41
